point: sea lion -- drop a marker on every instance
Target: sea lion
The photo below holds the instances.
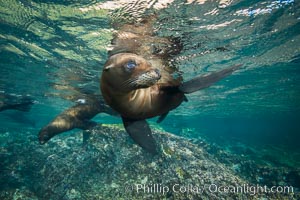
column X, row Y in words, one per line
column 138, row 79
column 135, row 89
column 138, row 91
column 15, row 102
column 78, row 116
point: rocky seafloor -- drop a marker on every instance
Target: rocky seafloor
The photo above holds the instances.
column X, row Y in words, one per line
column 110, row 166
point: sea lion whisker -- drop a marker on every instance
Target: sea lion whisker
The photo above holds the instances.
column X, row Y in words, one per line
column 129, row 82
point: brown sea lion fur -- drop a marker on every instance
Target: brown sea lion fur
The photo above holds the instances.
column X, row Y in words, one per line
column 78, row 116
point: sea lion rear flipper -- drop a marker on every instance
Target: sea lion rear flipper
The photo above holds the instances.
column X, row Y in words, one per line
column 162, row 117
column 204, row 81
column 140, row 132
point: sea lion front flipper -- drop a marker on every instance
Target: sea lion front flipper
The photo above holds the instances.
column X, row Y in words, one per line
column 207, row 80
column 140, row 132
column 162, row 117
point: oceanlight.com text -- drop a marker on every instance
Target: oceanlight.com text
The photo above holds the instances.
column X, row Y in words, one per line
column 211, row 188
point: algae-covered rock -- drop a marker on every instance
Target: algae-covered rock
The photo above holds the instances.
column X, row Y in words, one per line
column 17, row 194
column 109, row 165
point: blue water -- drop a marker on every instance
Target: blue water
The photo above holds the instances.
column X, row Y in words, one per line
column 54, row 53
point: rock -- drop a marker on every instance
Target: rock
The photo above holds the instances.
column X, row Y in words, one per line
column 111, row 166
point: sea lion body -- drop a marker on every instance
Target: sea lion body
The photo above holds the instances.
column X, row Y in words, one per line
column 155, row 92
column 149, row 97
column 15, row 102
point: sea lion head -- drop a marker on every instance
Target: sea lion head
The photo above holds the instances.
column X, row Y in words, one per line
column 45, row 134
column 125, row 72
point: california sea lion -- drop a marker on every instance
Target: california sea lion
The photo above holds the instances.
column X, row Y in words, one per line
column 137, row 90
column 137, row 79
column 78, row 116
column 15, row 102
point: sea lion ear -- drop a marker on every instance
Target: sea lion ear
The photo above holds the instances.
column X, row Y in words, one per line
column 106, row 68
column 140, row 132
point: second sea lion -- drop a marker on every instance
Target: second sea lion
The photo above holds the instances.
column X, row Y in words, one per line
column 77, row 116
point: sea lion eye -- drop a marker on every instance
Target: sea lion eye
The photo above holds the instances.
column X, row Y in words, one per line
column 130, row 65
